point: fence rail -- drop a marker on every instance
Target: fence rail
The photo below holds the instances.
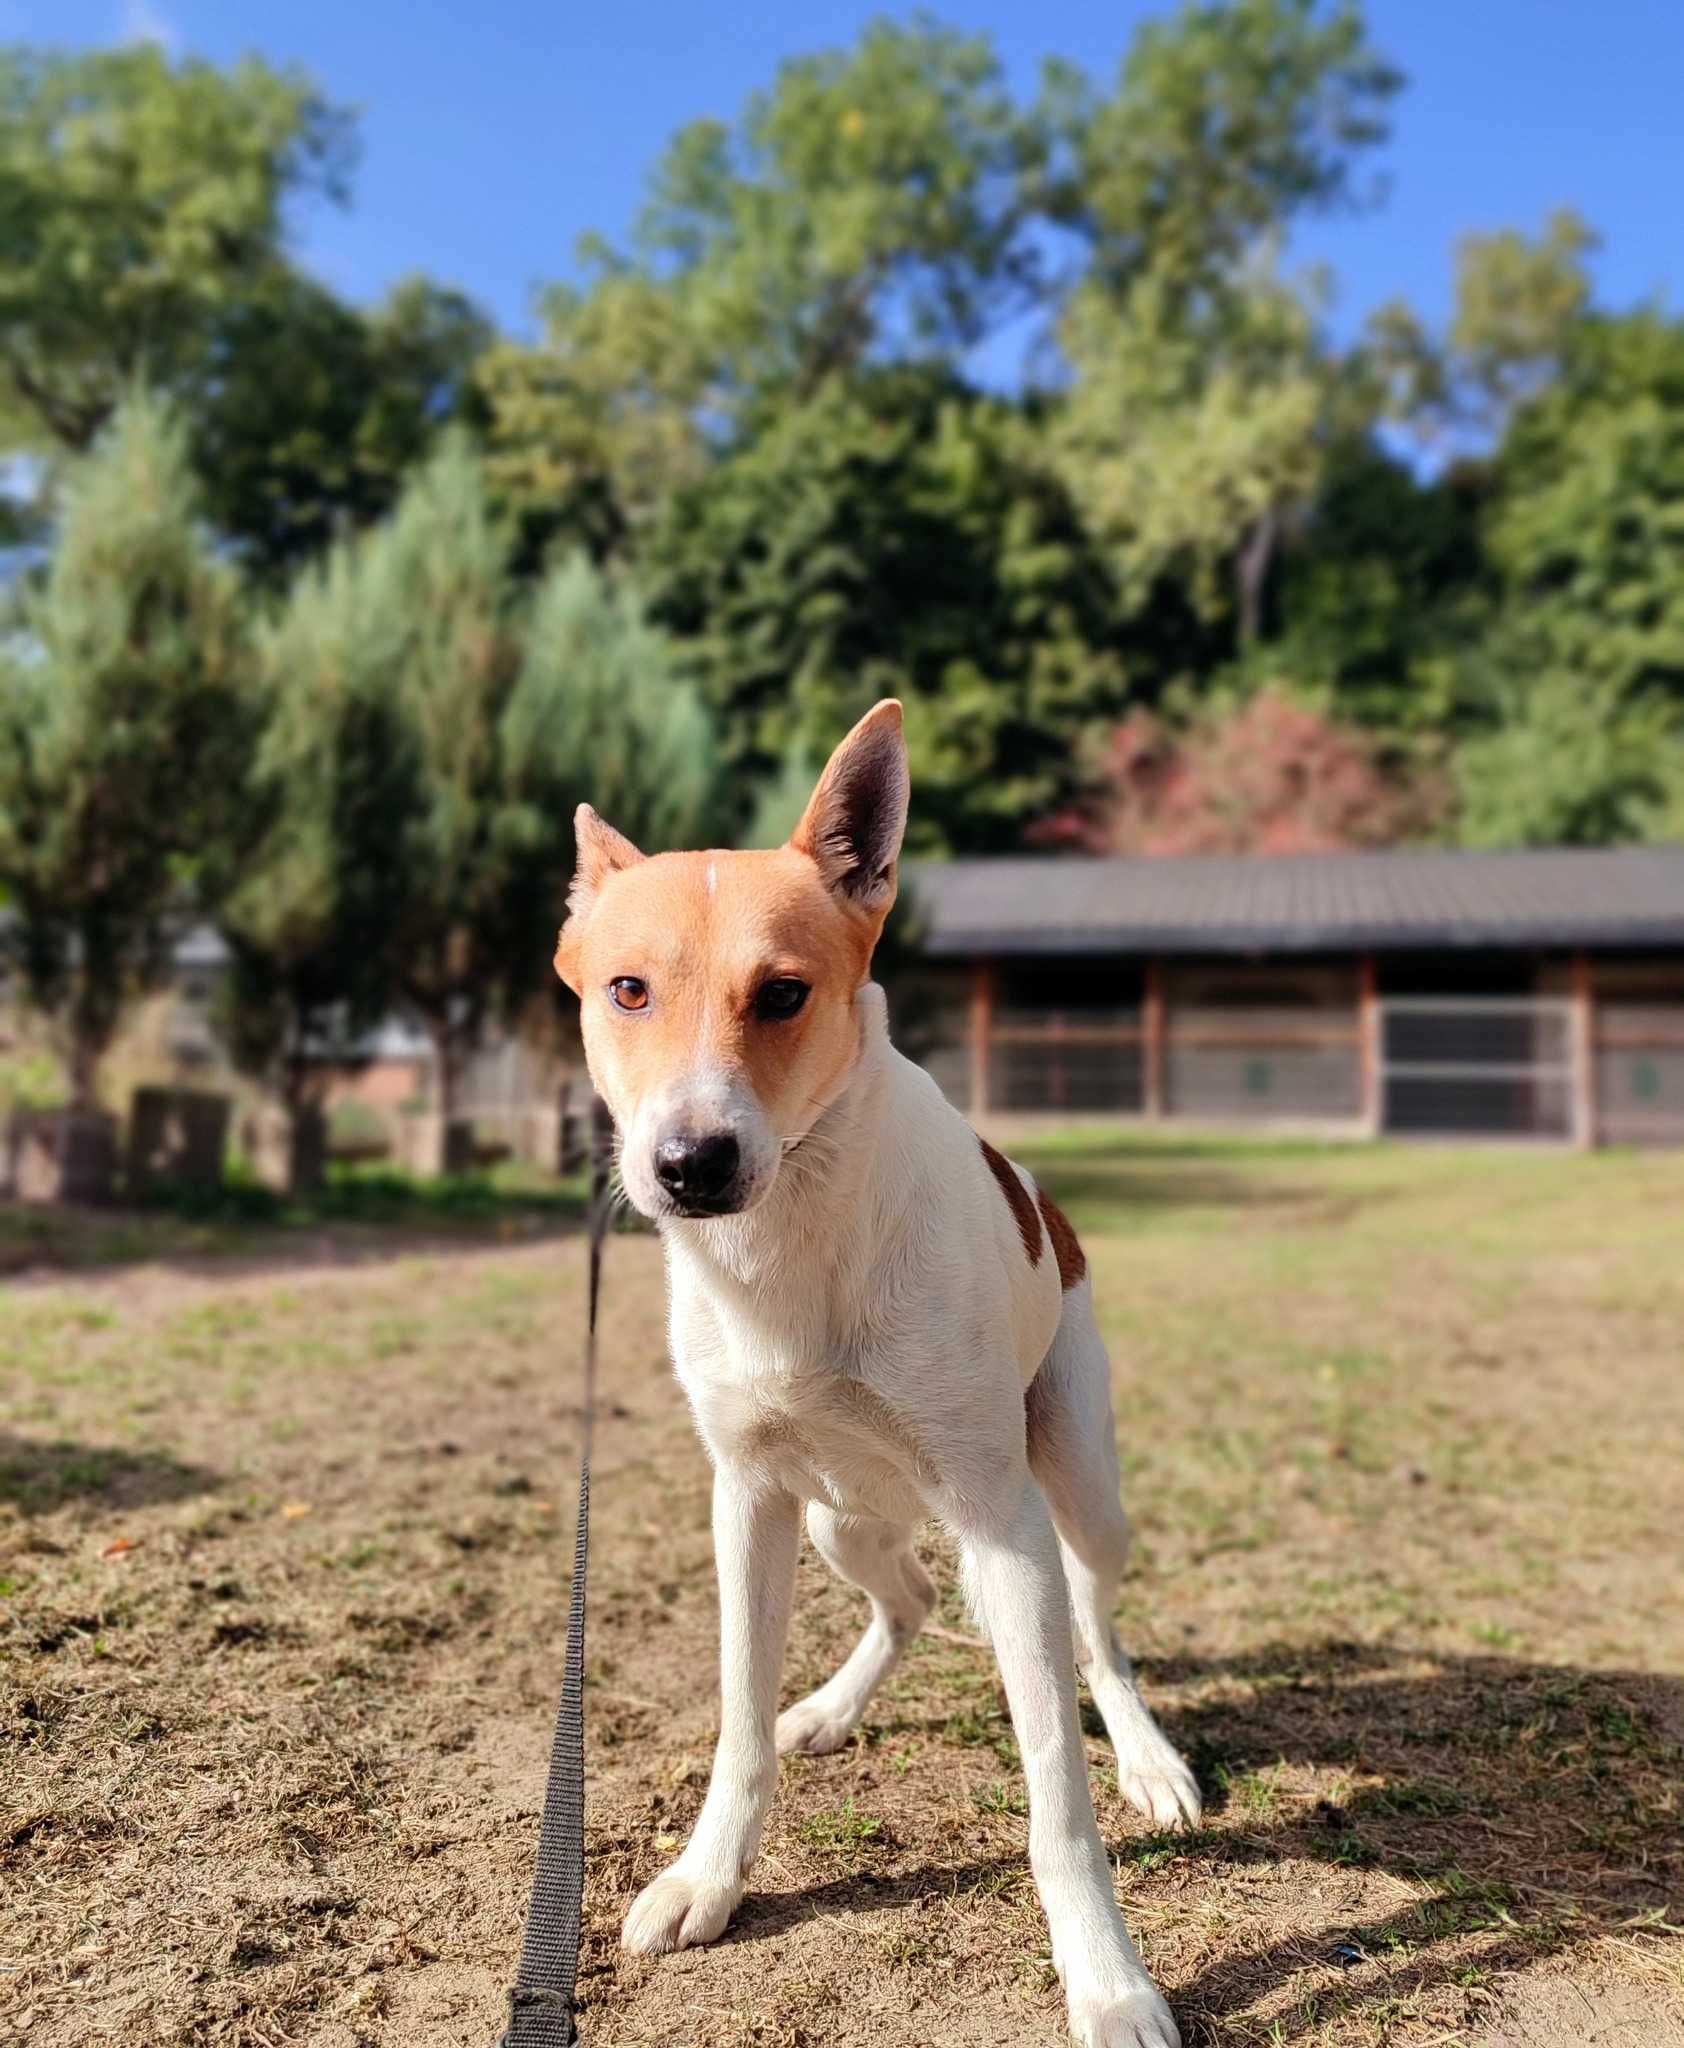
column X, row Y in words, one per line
column 1601, row 1062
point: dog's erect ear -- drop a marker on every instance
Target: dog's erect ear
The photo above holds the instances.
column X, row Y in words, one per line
column 601, row 852
column 853, row 824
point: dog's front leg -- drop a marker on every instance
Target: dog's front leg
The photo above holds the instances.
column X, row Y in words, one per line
column 756, row 1533
column 1012, row 1566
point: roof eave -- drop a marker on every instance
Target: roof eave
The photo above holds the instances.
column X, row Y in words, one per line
column 1611, row 936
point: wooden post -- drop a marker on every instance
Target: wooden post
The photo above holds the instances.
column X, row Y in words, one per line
column 1152, row 1041
column 1584, row 1053
column 1368, row 1042
column 982, row 1033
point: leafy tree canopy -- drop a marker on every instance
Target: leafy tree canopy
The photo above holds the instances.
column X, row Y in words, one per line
column 125, row 713
column 1586, row 523
column 896, row 538
column 1575, row 697
column 138, row 199
column 1229, row 117
column 869, row 186
column 589, row 434
column 311, row 411
column 1188, row 439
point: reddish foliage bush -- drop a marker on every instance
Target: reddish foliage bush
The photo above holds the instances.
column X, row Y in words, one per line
column 1268, row 776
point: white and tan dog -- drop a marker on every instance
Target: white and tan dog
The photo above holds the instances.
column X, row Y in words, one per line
column 875, row 1317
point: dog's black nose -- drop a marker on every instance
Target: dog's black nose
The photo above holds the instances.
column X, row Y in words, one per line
column 698, row 1170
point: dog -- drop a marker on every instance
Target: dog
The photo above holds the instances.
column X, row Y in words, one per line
column 877, row 1319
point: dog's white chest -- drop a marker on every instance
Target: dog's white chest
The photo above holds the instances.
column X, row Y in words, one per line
column 818, row 1433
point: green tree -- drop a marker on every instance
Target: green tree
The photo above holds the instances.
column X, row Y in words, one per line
column 437, row 587
column 480, row 728
column 1586, row 519
column 1577, row 698
column 125, row 710
column 872, row 203
column 871, row 197
column 589, row 432
column 1192, row 435
column 1552, row 758
column 143, row 216
column 311, row 411
column 138, row 199
column 896, row 537
column 1229, row 118
column 300, row 875
column 1518, row 303
column 1384, row 585
column 889, row 203
column 1203, row 401
column 603, row 713
column 1519, row 300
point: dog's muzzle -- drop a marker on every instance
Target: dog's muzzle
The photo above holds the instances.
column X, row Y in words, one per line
column 701, row 1176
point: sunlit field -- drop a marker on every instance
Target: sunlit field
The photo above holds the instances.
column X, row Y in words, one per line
column 285, row 1517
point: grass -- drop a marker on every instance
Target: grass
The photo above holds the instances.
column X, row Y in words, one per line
column 357, row 1205
column 285, row 1511
column 845, row 1833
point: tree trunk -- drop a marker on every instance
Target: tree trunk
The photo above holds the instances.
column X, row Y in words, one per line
column 1252, row 575
column 450, row 1148
column 447, row 1069
column 306, row 1121
column 86, row 1052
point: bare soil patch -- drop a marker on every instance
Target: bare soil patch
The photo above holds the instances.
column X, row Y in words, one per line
column 284, row 1548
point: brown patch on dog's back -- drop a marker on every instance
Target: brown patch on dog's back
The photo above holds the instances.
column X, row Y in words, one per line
column 1018, row 1197
column 1067, row 1247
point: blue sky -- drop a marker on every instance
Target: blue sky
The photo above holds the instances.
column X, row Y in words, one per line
column 494, row 135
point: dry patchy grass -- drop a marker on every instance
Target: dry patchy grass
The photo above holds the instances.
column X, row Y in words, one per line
column 1404, row 1434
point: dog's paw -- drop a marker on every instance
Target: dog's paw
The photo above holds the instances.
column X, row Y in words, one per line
column 810, row 1728
column 1140, row 2019
column 677, row 1911
column 1169, row 1799
column 1155, row 1780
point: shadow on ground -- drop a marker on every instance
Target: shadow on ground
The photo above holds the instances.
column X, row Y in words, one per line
column 1532, row 1810
column 38, row 1476
column 1105, row 1182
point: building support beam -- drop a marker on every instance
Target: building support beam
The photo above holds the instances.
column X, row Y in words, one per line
column 1585, row 1135
column 1370, row 1052
column 981, row 1035
column 1152, row 1041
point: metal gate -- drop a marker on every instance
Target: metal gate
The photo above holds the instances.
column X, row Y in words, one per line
column 1478, row 1066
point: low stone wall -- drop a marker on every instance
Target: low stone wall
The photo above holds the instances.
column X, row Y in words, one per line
column 60, row 1155
column 287, row 1153
column 178, row 1137
column 426, row 1144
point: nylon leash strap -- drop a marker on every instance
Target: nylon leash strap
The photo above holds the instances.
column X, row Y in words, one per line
column 543, row 2004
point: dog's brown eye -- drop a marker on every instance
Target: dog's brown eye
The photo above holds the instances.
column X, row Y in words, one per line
column 780, row 997
column 626, row 992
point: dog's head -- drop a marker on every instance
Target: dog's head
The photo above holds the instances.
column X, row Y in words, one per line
column 717, row 990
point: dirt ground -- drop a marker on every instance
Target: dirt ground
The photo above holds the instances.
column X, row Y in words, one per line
column 283, row 1549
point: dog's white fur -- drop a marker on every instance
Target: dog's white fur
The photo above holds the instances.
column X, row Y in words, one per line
column 859, row 1342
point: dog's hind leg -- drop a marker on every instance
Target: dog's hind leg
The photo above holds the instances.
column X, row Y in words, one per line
column 877, row 1557
column 1012, row 1574
column 1073, row 1454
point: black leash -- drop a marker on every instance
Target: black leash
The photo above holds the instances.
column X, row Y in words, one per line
column 543, row 2004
